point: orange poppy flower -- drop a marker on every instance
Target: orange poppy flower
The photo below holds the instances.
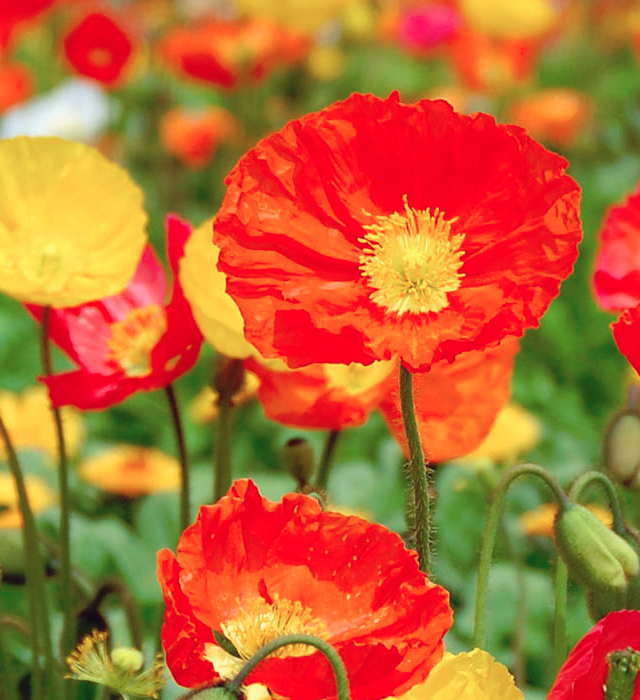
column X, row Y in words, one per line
column 374, row 229
column 16, row 84
column 99, row 47
column 254, row 570
column 228, row 53
column 617, row 269
column 193, row 135
column 327, row 397
column 456, row 404
column 554, row 115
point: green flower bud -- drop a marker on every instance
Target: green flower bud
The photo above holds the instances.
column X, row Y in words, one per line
column 601, row 603
column 220, row 692
column 598, row 558
column 298, row 459
column 622, row 448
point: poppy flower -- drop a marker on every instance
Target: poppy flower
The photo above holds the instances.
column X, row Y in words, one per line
column 584, row 673
column 131, row 470
column 128, row 342
column 14, row 12
column 508, row 20
column 554, row 115
column 626, row 333
column 228, row 53
column 40, row 495
column 254, row 570
column 454, row 407
column 29, row 421
column 72, row 224
column 193, row 135
column 16, row 84
column 424, row 27
column 374, row 229
column 327, row 397
column 98, row 47
column 473, row 675
column 302, row 16
column 617, row 269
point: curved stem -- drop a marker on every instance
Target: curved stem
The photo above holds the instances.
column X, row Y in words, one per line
column 560, row 613
column 63, row 486
column 491, row 526
column 326, row 461
column 339, row 671
column 38, row 615
column 593, row 477
column 185, row 515
column 114, row 585
column 419, row 472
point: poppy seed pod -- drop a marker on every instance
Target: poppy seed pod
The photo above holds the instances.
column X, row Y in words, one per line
column 622, row 448
column 596, row 556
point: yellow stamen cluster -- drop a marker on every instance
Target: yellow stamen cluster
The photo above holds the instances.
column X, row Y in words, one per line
column 257, row 623
column 119, row 671
column 133, row 339
column 412, row 261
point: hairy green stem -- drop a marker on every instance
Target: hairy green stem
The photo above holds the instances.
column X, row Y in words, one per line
column 560, row 613
column 327, row 458
column 491, row 526
column 339, row 671
column 63, row 487
column 593, row 477
column 419, row 473
column 38, row 614
column 185, row 515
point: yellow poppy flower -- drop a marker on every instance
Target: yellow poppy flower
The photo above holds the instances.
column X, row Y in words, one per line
column 72, row 223
column 505, row 19
column 30, row 424
column 132, row 471
column 473, row 675
column 216, row 314
column 40, row 496
column 303, row 16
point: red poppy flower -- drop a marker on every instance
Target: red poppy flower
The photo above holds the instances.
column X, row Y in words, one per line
column 98, row 47
column 626, row 333
column 13, row 12
column 373, row 229
column 583, row 674
column 128, row 342
column 617, row 269
column 327, row 397
column 455, row 408
column 255, row 570
column 226, row 53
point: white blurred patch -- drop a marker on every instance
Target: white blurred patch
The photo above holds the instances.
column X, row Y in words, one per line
column 79, row 110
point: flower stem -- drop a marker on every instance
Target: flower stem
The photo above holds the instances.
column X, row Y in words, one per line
column 7, row 675
column 339, row 671
column 223, row 476
column 115, row 585
column 326, row 461
column 593, row 477
column 560, row 613
column 185, row 515
column 419, row 473
column 38, row 614
column 63, row 486
column 489, row 538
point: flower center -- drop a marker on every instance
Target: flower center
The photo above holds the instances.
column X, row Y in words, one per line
column 412, row 260
column 258, row 623
column 133, row 339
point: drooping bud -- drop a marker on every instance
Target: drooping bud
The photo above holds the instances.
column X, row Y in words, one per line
column 597, row 557
column 220, row 692
column 622, row 448
column 298, row 459
column 621, row 678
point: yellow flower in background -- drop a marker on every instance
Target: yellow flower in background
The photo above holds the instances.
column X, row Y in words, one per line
column 303, row 16
column 132, row 471
column 204, row 408
column 215, row 313
column 514, row 432
column 473, row 675
column 72, row 223
column 40, row 496
column 326, row 62
column 506, row 19
column 539, row 521
column 30, row 423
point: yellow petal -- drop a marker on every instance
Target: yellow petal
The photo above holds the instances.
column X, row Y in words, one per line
column 216, row 314
column 72, row 223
